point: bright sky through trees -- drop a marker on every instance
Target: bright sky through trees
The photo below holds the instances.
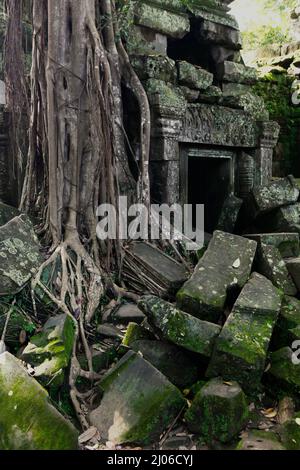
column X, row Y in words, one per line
column 264, row 21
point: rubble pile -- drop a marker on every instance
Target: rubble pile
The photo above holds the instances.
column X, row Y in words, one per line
column 205, row 364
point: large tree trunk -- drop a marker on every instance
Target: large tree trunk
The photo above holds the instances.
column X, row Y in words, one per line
column 77, row 153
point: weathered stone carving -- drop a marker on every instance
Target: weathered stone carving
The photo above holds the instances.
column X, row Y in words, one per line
column 218, row 125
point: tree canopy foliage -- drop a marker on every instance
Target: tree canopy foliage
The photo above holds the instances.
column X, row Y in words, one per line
column 270, row 22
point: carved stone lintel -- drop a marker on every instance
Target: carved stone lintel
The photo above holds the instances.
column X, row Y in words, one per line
column 218, row 125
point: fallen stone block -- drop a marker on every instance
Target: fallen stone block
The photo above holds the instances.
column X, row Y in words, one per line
column 49, row 352
column 179, row 327
column 229, row 214
column 286, row 243
column 293, row 267
column 128, row 313
column 270, row 264
column 225, row 265
column 19, row 253
column 148, row 269
column 288, row 324
column 278, row 193
column 27, row 419
column 194, row 77
column 138, row 403
column 260, row 440
column 240, row 351
column 284, row 373
column 218, row 412
column 170, row 360
column 136, row 332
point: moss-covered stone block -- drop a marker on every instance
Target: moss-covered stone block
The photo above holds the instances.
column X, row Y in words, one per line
column 165, row 96
column 278, row 193
column 289, row 433
column 138, row 404
column 194, row 77
column 241, row 349
column 286, row 243
column 179, row 327
column 170, row 360
column 236, row 73
column 171, row 24
column 154, row 66
column 19, row 254
column 225, row 265
column 270, row 263
column 136, row 332
column 49, row 352
column 27, row 419
column 284, row 373
column 218, row 412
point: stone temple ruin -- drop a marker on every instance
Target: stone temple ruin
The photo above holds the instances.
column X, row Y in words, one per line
column 210, row 136
column 215, row 329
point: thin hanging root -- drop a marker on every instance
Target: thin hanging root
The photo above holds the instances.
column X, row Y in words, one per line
column 71, row 289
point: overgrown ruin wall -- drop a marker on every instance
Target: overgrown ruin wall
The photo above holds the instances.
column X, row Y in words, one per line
column 200, row 93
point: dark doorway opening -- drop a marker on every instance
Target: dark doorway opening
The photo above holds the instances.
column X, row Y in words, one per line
column 210, row 181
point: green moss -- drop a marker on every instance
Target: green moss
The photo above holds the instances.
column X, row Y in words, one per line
column 155, row 417
column 27, row 421
column 134, row 333
column 218, row 412
column 49, row 351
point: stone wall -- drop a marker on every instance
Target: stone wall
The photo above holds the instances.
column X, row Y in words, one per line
column 199, row 89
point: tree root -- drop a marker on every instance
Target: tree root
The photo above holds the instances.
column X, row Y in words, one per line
column 78, row 302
